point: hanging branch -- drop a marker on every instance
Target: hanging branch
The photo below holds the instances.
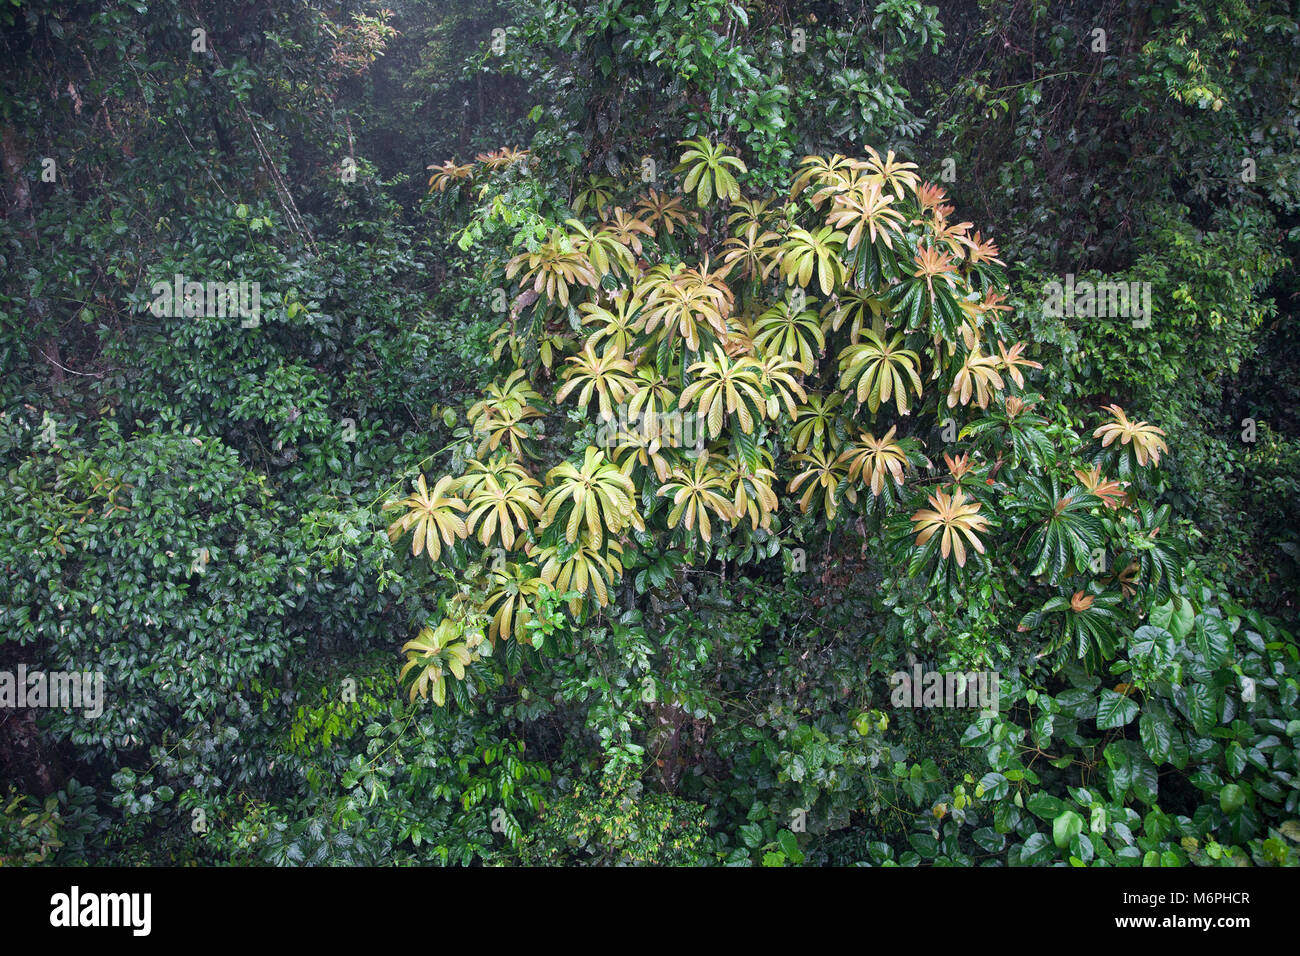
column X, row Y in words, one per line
column 282, row 188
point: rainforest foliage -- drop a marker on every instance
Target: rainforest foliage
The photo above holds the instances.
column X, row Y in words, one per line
column 539, row 432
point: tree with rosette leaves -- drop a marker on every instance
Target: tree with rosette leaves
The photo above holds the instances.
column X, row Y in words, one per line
column 842, row 404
